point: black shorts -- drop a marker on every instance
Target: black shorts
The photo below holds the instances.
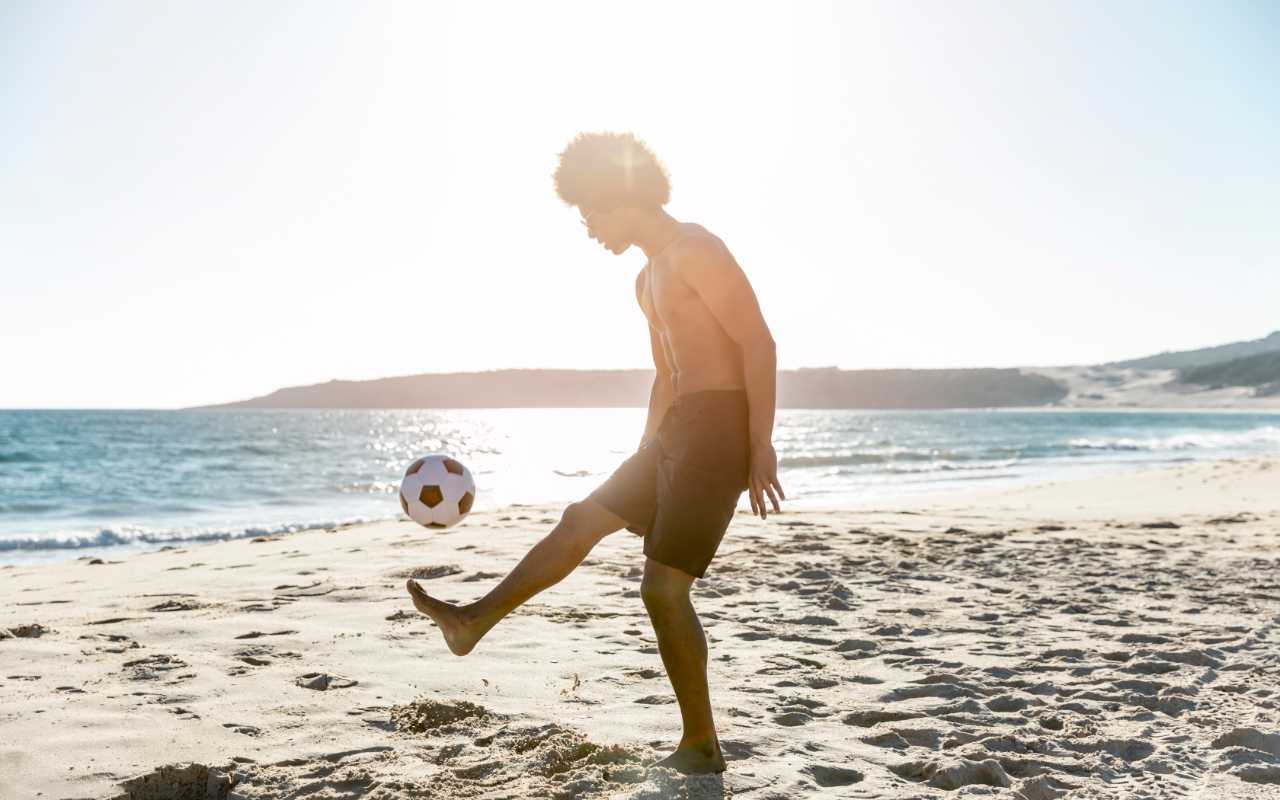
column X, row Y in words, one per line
column 680, row 489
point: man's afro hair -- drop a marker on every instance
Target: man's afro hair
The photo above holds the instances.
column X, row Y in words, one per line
column 611, row 170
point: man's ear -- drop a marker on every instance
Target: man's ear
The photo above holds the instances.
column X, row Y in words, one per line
column 636, row 217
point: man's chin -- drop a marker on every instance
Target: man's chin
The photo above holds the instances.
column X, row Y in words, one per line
column 617, row 251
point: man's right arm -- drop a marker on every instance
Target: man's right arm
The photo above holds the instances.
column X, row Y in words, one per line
column 663, row 391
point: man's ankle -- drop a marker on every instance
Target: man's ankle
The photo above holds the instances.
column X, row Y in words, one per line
column 469, row 616
column 706, row 744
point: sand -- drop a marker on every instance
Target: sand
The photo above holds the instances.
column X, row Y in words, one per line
column 1110, row 388
column 1110, row 637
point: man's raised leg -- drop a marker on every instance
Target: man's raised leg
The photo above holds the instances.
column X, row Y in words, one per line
column 683, row 647
column 581, row 527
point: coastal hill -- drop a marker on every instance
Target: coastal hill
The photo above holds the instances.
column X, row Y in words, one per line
column 1261, row 371
column 826, row 387
column 1237, row 375
column 1205, row 356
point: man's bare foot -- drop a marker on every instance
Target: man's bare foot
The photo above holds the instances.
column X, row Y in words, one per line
column 457, row 633
column 694, row 760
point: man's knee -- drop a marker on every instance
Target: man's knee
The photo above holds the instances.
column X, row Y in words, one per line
column 580, row 524
column 663, row 586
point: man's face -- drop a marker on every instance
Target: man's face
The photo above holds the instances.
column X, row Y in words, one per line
column 607, row 227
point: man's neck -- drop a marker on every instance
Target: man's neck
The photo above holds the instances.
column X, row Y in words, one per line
column 657, row 231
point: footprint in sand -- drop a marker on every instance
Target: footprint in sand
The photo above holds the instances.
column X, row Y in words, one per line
column 815, row 621
column 176, row 605
column 795, row 711
column 736, row 751
column 1251, row 739
column 953, row 775
column 857, row 648
column 184, row 713
column 945, row 691
column 428, row 572
column 113, row 643
column 887, row 739
column 874, row 716
column 150, row 668
column 257, row 634
column 33, row 630
column 656, row 700
column 268, row 605
column 260, row 655
column 323, row 681
column 315, row 589
column 827, row 777
column 1128, row 750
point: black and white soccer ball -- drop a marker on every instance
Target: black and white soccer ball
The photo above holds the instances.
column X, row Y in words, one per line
column 437, row 491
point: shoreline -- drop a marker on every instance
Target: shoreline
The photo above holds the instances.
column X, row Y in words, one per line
column 935, row 495
column 1265, row 405
column 1126, row 630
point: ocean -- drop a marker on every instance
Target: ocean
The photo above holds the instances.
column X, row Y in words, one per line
column 108, row 483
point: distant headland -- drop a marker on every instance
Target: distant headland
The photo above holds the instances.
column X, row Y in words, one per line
column 1237, row 375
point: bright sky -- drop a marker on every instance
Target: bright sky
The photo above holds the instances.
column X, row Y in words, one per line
column 205, row 202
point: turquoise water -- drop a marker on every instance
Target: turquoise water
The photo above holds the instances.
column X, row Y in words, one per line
column 74, row 483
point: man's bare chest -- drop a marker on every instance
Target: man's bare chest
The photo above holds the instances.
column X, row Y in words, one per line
column 665, row 299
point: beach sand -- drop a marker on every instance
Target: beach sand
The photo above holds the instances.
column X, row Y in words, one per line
column 1109, row 637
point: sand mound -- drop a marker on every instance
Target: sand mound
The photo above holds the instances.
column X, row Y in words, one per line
column 180, row 782
column 425, row 715
column 532, row 760
column 442, row 750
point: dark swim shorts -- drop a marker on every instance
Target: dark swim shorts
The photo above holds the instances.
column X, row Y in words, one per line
column 681, row 488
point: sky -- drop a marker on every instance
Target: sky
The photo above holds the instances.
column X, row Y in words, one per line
column 203, row 202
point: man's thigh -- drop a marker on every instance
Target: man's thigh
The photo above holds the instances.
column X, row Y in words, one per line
column 595, row 519
column 630, row 492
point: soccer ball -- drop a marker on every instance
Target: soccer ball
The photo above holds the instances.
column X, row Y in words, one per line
column 437, row 491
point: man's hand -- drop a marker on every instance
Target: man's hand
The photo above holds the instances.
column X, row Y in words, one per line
column 764, row 479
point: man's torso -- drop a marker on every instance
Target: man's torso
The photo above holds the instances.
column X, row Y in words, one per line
column 702, row 356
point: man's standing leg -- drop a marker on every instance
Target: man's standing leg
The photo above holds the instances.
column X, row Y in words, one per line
column 683, row 647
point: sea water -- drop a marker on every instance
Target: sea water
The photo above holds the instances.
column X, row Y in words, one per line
column 107, row 483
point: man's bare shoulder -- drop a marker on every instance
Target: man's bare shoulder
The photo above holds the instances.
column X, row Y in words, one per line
column 696, row 248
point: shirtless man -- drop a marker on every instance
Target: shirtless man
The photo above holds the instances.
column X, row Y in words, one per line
column 707, row 437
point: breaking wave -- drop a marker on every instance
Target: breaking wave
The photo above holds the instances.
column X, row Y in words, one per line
column 130, row 534
column 854, row 459
column 1267, row 434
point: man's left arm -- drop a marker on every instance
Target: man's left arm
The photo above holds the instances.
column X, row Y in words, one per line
column 713, row 273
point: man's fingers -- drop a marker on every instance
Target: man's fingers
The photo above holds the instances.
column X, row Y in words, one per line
column 772, row 497
column 751, row 495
